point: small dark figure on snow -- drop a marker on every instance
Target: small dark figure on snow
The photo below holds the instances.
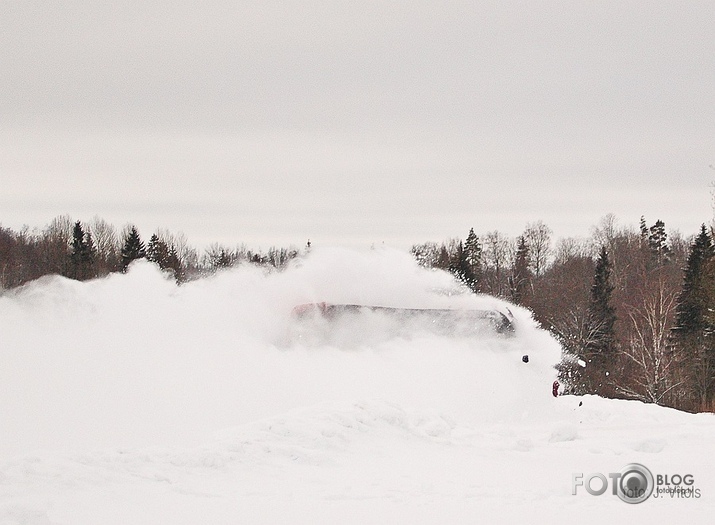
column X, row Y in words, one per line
column 555, row 389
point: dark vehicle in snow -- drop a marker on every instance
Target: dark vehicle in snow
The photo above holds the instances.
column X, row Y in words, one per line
column 442, row 319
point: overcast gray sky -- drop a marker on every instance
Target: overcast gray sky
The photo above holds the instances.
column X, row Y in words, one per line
column 356, row 122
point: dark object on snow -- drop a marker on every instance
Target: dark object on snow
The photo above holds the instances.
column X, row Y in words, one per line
column 445, row 318
column 555, row 389
column 580, row 403
column 525, row 358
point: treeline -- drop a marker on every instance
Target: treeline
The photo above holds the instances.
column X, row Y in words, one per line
column 634, row 308
column 86, row 250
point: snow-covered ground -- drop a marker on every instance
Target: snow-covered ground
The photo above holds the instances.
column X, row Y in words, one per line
column 131, row 400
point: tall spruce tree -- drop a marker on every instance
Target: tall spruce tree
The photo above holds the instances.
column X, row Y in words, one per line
column 601, row 313
column 658, row 244
column 158, row 252
column 460, row 267
column 694, row 324
column 133, row 248
column 82, row 255
column 520, row 281
column 173, row 263
column 644, row 230
column 473, row 254
column 600, row 350
column 692, row 307
column 78, row 249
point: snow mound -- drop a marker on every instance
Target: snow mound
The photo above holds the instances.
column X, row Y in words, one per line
column 134, row 360
column 132, row 400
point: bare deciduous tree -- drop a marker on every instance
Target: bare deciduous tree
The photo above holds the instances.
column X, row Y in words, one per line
column 498, row 253
column 106, row 243
column 569, row 248
column 54, row 245
column 652, row 360
column 538, row 237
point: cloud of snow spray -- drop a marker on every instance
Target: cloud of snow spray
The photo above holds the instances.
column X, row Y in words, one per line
column 134, row 360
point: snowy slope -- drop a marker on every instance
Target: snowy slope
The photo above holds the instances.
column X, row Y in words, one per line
column 131, row 400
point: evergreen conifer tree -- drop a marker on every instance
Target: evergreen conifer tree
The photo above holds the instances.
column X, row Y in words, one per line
column 694, row 325
column 158, row 252
column 602, row 315
column 643, row 229
column 692, row 307
column 658, row 243
column 520, row 280
column 473, row 254
column 173, row 263
column 133, row 248
column 82, row 255
column 77, row 250
column 601, row 343
column 461, row 268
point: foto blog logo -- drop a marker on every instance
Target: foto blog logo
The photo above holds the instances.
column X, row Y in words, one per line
column 635, row 483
